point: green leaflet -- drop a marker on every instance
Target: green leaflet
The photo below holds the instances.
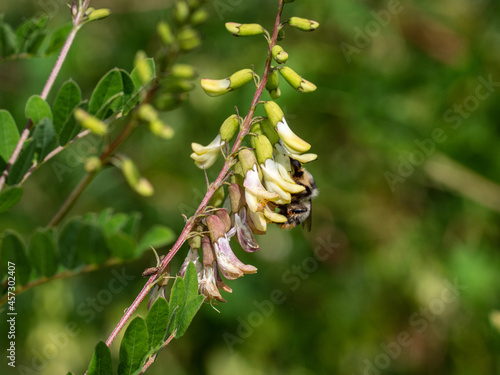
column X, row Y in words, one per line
column 156, row 237
column 67, row 99
column 100, row 363
column 134, row 347
column 10, row 197
column 42, row 252
column 9, row 135
column 13, row 250
column 37, row 109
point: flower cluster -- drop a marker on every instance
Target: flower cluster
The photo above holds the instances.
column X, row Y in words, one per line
column 264, row 181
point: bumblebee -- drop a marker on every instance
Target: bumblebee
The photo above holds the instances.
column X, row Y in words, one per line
column 299, row 210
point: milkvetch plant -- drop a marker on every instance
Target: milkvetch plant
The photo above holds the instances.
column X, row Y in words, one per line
column 257, row 185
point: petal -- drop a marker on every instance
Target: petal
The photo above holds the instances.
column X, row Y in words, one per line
column 216, row 87
column 272, row 173
column 288, row 153
column 244, row 234
column 290, row 139
column 258, row 221
column 214, row 145
column 208, row 284
column 255, row 193
column 273, row 216
column 230, row 266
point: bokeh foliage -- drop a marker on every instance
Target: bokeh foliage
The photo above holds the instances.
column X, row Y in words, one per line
column 392, row 248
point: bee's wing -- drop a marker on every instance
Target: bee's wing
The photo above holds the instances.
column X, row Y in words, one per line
column 308, row 222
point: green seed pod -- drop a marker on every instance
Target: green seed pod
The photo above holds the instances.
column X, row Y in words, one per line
column 245, row 29
column 274, row 112
column 165, row 33
column 229, row 128
column 303, row 24
column 90, row 122
column 275, row 94
column 279, row 54
column 296, row 81
column 134, row 179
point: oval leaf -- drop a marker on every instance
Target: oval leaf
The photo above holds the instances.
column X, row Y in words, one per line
column 9, row 135
column 67, row 243
column 22, row 164
column 37, row 109
column 134, row 347
column 157, row 321
column 109, row 86
column 42, row 251
column 58, row 38
column 13, row 250
column 122, row 245
column 9, row 198
column 67, row 99
column 91, row 245
column 101, row 361
column 45, row 138
column 157, row 237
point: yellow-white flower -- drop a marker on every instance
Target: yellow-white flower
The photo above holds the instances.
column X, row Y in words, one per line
column 216, row 87
column 280, row 149
column 277, row 180
column 256, row 195
column 204, row 156
column 291, row 141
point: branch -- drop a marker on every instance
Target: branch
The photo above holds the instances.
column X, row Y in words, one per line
column 245, row 128
column 77, row 23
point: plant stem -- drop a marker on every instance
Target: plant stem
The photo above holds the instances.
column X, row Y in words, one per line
column 46, row 89
column 61, row 275
column 245, row 128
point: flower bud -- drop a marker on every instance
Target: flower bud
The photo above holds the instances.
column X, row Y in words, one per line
column 272, row 81
column 188, row 39
column 245, row 29
column 208, row 251
column 247, row 160
column 147, row 113
column 240, row 78
column 224, row 217
column 218, row 198
column 194, row 242
column 98, row 14
column 93, row 164
column 143, row 68
column 296, row 81
column 181, row 11
column 236, row 197
column 229, row 127
column 303, row 24
column 263, row 148
column 199, row 17
column 291, row 141
column 184, row 71
column 274, row 112
column 270, row 132
column 216, row 228
column 90, row 122
column 279, row 54
column 134, row 179
column 158, row 128
column 166, row 36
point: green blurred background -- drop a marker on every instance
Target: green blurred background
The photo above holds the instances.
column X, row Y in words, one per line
column 405, row 124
